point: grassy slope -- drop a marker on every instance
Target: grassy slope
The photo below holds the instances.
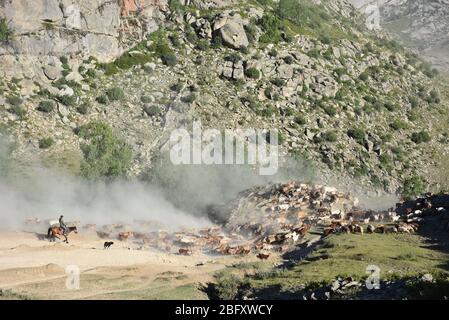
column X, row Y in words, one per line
column 398, row 256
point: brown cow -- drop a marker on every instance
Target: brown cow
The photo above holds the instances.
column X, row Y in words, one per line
column 328, row 231
column 357, row 229
column 123, row 236
column 380, row 229
column 263, row 256
column 303, row 230
column 185, row 252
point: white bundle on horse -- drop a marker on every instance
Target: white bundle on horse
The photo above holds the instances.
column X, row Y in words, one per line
column 53, row 223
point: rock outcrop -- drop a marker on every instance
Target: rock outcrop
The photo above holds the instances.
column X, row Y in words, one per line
column 50, row 28
column 421, row 25
column 231, row 30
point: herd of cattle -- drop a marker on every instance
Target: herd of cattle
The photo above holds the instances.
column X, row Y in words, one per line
column 277, row 218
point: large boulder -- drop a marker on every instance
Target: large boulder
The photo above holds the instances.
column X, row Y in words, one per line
column 285, row 71
column 231, row 30
column 52, row 72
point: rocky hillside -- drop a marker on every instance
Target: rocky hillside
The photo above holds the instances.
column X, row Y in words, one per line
column 45, row 29
column 421, row 25
column 352, row 102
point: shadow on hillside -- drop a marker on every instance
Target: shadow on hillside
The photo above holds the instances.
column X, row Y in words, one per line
column 435, row 228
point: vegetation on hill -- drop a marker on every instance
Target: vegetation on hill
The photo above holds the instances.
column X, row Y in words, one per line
column 105, row 155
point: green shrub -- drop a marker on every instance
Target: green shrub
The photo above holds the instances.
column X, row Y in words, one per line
column 252, row 103
column 175, row 40
column 18, row 111
column 413, row 187
column 390, row 106
column 67, row 100
column 420, row 137
column 273, row 53
column 328, row 54
column 6, row 34
column 268, row 111
column 217, row 41
column 83, row 108
column 103, row 99
column 91, row 73
column 46, row 106
column 428, row 70
column 161, row 48
column 169, row 59
column 191, row 35
column 177, row 87
column 434, row 97
column 251, row 32
column 278, row 82
column 330, row 110
column 414, row 102
column 233, row 57
column 314, row 53
column 228, row 287
column 385, row 159
column 104, row 155
column 330, row 136
column 175, row 6
column 300, row 119
column 64, row 60
column 398, row 125
column 189, row 99
column 146, row 99
column 364, row 76
column 152, row 110
column 288, row 59
column 268, row 92
column 272, row 27
column 202, row 45
column 252, row 73
column 14, row 100
column 115, row 93
column 357, row 134
column 46, row 143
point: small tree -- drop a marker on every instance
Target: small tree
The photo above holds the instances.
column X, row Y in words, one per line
column 115, row 93
column 420, row 137
column 413, row 187
column 105, row 156
column 252, row 73
column 46, row 143
column 6, row 34
column 46, row 106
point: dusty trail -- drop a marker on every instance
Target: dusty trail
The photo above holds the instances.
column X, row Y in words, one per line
column 35, row 268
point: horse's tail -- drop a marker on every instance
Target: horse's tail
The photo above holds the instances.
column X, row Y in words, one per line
column 49, row 232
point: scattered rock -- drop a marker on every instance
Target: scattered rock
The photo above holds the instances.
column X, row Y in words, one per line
column 231, row 30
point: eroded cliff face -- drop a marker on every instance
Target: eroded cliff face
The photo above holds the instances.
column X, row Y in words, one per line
column 46, row 29
column 422, row 25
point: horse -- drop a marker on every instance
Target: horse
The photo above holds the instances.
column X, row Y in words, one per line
column 55, row 232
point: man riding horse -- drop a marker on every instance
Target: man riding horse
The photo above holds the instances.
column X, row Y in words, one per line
column 61, row 230
column 62, row 225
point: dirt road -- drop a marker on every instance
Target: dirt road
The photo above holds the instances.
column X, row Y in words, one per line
column 31, row 267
